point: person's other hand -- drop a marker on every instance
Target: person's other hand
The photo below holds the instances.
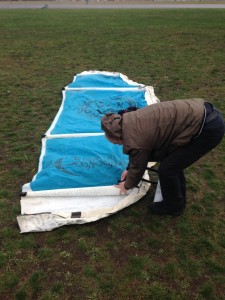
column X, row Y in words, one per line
column 124, row 175
column 121, row 187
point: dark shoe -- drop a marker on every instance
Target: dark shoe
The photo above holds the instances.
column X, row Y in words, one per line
column 159, row 208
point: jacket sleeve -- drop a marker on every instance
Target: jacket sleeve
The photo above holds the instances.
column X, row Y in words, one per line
column 138, row 160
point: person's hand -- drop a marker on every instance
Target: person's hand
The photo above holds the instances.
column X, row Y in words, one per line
column 124, row 175
column 121, row 187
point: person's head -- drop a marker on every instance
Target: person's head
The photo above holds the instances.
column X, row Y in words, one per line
column 111, row 124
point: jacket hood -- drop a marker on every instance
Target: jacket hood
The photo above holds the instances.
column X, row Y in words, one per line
column 112, row 125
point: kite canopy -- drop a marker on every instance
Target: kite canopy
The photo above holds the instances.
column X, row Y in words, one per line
column 78, row 166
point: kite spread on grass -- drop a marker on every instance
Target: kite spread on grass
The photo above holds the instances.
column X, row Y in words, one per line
column 78, row 166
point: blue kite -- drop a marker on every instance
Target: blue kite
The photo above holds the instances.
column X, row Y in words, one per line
column 78, row 167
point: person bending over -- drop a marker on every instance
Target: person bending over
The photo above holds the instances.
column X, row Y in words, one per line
column 175, row 133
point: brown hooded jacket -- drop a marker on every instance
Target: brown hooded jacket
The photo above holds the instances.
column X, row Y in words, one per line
column 151, row 133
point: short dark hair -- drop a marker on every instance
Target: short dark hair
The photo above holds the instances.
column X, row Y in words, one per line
column 129, row 109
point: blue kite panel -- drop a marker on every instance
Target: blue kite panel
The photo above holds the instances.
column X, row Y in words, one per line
column 101, row 80
column 79, row 162
column 82, row 110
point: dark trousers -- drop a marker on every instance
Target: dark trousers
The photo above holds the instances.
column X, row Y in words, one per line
column 171, row 175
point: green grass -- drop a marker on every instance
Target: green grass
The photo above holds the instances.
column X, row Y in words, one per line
column 130, row 255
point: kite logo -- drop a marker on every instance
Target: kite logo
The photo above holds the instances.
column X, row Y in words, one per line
column 77, row 163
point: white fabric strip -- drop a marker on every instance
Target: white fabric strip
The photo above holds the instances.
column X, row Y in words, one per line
column 105, row 89
column 49, row 221
column 73, row 135
column 58, row 114
column 77, row 192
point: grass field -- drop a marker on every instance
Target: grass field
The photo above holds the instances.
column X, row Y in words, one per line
column 131, row 255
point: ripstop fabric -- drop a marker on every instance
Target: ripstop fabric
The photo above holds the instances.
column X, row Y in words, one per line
column 78, row 166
